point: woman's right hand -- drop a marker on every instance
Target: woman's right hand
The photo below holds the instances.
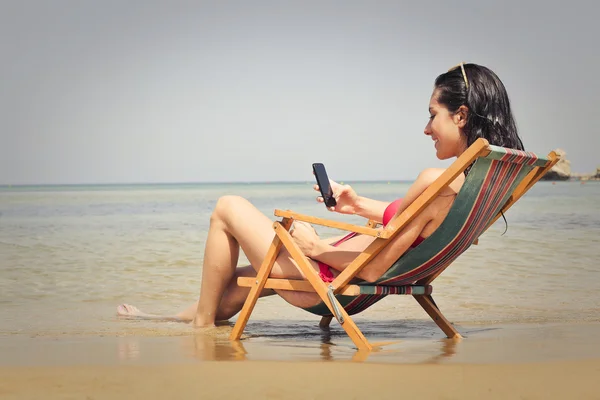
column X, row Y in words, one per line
column 345, row 197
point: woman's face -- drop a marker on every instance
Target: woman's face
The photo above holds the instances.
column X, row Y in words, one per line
column 446, row 130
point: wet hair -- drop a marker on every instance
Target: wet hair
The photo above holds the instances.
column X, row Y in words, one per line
column 489, row 115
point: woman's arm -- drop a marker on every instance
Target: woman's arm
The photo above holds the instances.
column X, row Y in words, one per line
column 340, row 257
column 370, row 208
column 348, row 202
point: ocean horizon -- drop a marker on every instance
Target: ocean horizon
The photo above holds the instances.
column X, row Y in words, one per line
column 191, row 183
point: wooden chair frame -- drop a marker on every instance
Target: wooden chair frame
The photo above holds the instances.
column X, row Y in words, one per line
column 340, row 285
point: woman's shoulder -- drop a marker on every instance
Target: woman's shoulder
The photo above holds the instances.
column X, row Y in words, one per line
column 430, row 175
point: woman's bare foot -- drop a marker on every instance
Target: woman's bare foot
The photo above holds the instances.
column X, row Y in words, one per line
column 132, row 312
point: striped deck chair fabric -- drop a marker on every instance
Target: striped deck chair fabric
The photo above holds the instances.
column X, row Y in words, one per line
column 487, row 187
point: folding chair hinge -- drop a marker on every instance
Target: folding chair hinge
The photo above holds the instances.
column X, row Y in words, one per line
column 334, row 303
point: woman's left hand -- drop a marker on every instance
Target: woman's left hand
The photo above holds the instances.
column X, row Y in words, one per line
column 305, row 237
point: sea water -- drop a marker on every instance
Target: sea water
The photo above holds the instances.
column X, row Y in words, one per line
column 70, row 254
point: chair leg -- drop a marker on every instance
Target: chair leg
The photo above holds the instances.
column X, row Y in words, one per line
column 255, row 290
column 325, row 321
column 426, row 301
column 324, row 292
column 352, row 331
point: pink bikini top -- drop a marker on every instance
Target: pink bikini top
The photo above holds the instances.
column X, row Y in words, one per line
column 325, row 270
column 389, row 213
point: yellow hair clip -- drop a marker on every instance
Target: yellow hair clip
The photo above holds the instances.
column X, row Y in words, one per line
column 462, row 68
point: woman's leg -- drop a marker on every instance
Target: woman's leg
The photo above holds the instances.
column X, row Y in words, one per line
column 231, row 303
column 232, row 300
column 235, row 224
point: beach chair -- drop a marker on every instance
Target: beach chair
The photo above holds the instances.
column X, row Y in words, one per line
column 497, row 178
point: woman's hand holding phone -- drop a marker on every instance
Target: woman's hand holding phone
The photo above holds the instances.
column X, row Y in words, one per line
column 345, row 197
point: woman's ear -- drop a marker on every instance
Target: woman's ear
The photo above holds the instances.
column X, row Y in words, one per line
column 460, row 117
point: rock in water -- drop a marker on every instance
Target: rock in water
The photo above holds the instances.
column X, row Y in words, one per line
column 561, row 171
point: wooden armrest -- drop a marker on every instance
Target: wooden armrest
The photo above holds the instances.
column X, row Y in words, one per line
column 325, row 222
column 373, row 224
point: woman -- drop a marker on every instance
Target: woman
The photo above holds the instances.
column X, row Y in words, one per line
column 468, row 102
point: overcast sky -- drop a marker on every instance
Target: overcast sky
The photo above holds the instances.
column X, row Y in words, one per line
column 171, row 91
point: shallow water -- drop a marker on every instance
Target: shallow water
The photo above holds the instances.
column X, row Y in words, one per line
column 69, row 255
column 497, row 344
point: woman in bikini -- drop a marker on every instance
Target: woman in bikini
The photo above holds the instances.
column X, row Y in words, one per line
column 468, row 102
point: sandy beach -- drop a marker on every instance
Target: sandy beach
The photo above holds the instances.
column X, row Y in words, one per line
column 526, row 302
column 531, row 361
column 287, row 380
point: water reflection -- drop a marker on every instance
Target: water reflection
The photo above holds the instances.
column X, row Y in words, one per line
column 447, row 350
column 128, row 349
column 297, row 341
column 209, row 348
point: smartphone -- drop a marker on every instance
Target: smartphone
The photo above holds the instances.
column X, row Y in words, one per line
column 324, row 186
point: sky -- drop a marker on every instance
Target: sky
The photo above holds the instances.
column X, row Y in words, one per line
column 237, row 91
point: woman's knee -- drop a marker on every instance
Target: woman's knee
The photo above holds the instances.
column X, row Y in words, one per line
column 225, row 206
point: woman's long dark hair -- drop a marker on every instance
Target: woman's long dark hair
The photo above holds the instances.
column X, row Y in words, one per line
column 485, row 96
column 489, row 114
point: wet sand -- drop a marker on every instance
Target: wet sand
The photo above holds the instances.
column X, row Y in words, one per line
column 532, row 361
column 289, row 380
